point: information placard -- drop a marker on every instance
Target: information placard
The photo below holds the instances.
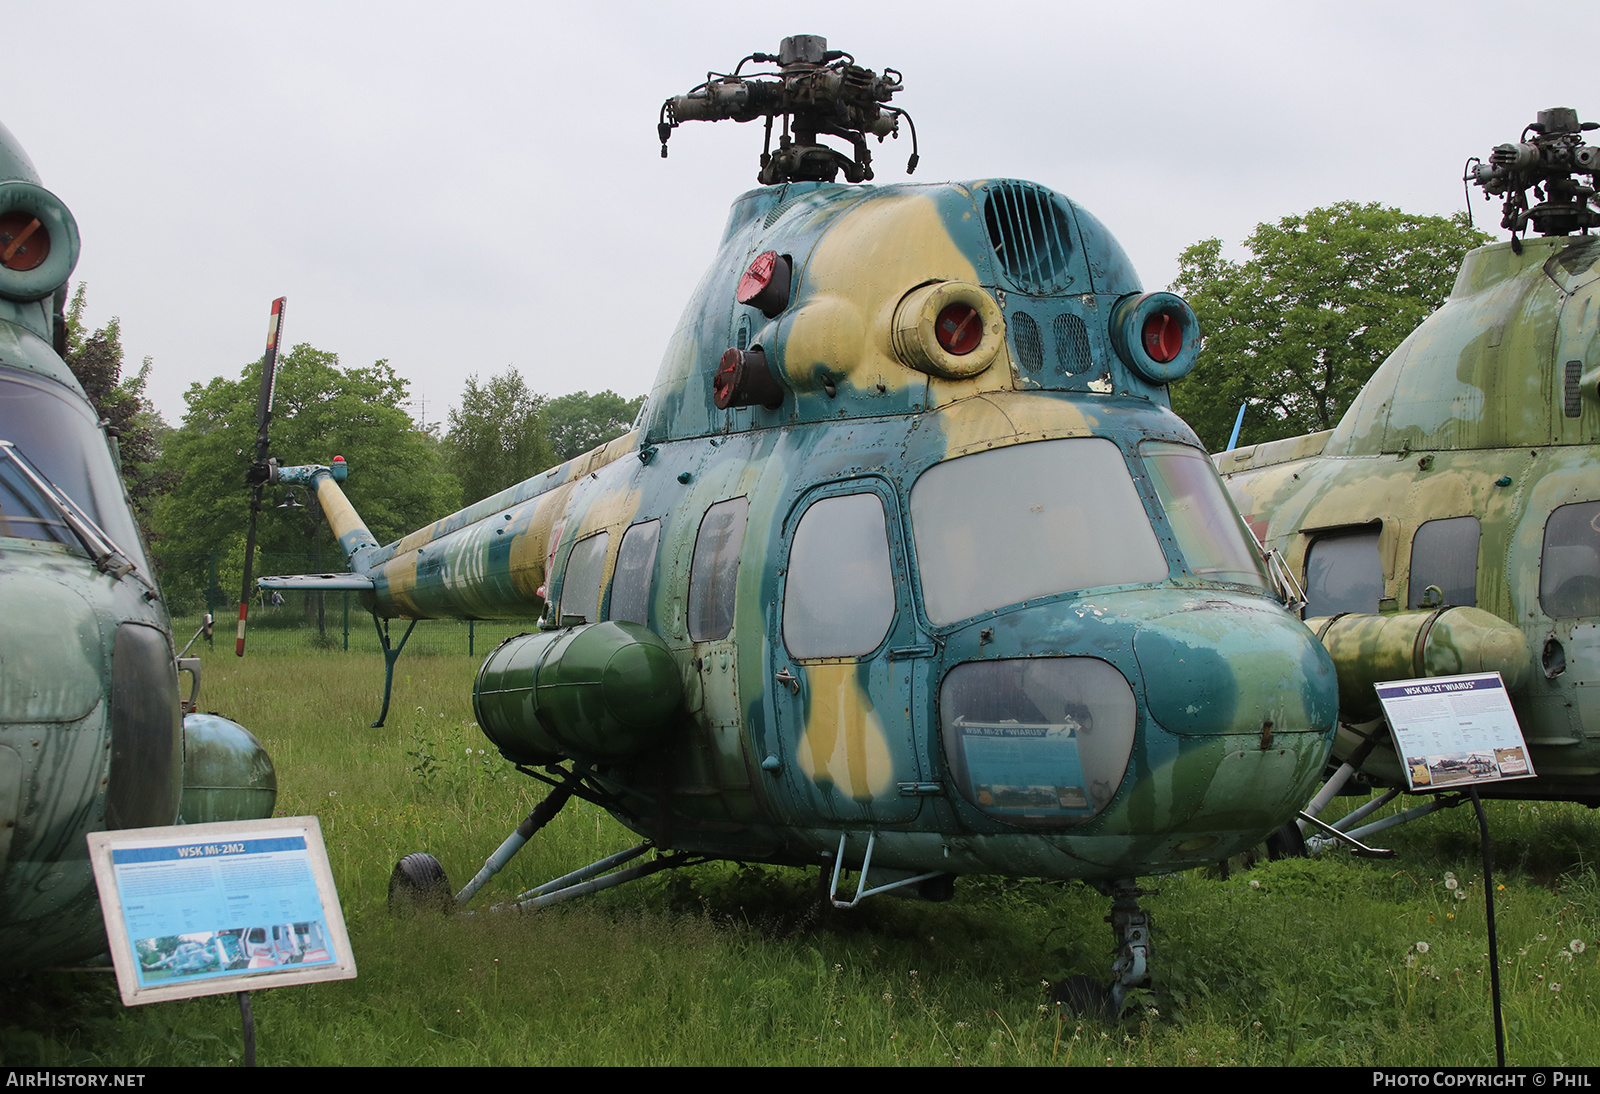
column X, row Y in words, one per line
column 1455, row 731
column 203, row 909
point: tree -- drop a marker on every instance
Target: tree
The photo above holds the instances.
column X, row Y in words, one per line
column 96, row 360
column 497, row 438
column 578, row 422
column 320, row 411
column 1296, row 329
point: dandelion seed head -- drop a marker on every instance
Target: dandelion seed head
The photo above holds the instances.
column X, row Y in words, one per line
column 1451, row 883
column 1577, row 945
column 1255, row 884
column 1422, row 947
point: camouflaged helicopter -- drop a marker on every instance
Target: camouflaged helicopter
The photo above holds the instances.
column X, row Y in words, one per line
column 907, row 568
column 1450, row 523
column 93, row 733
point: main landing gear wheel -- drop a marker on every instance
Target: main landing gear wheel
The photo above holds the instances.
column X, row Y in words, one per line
column 1286, row 842
column 419, row 884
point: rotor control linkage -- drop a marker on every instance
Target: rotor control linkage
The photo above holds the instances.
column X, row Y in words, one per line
column 817, row 92
column 1547, row 156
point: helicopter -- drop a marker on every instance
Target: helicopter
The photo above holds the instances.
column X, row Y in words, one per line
column 1450, row 522
column 906, row 569
column 94, row 734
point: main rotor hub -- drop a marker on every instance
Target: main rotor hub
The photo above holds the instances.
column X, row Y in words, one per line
column 816, row 91
column 1551, row 160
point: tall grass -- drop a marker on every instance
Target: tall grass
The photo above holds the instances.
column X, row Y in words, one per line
column 1327, row 961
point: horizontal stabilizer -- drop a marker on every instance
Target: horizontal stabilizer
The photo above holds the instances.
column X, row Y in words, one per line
column 302, row 583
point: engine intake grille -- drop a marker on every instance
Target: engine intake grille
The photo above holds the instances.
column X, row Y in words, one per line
column 1031, row 236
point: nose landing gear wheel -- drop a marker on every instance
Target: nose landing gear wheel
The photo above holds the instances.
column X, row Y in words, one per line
column 1084, row 997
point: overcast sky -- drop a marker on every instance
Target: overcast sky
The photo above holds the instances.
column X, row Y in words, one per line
column 462, row 187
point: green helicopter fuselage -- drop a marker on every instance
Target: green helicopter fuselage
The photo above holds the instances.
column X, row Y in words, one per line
column 906, row 544
column 1450, row 520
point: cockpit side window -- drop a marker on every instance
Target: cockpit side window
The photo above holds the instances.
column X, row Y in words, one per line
column 1444, row 554
column 25, row 512
column 1569, row 568
column 714, row 570
column 59, row 435
column 1210, row 535
column 840, row 597
column 636, row 565
column 1005, row 525
column 1343, row 573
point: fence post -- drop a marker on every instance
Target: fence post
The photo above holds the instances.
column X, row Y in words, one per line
column 347, row 621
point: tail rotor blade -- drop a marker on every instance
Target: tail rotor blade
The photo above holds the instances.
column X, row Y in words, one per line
column 261, row 469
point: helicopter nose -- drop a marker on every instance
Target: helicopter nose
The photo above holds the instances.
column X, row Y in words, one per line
column 1224, row 666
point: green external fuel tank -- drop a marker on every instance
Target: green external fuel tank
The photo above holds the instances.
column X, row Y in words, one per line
column 1369, row 648
column 227, row 775
column 593, row 692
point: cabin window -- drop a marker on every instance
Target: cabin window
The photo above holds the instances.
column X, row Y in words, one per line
column 1009, row 524
column 1445, row 553
column 1343, row 573
column 636, row 565
column 1569, row 569
column 1210, row 535
column 839, row 600
column 714, row 571
column 1038, row 741
column 580, row 587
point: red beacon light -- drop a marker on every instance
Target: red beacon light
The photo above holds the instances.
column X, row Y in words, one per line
column 958, row 329
column 340, row 469
column 1163, row 337
column 765, row 285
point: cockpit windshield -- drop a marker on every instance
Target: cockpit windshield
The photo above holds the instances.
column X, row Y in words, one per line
column 61, row 438
column 1003, row 526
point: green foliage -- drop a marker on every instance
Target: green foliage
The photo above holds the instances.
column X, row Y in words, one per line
column 1297, row 328
column 320, row 411
column 580, row 421
column 95, row 358
column 496, row 438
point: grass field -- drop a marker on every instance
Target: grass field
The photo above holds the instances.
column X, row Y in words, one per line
column 1327, row 961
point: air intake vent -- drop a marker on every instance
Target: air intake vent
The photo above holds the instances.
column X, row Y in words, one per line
column 1072, row 344
column 1574, row 395
column 777, row 211
column 1030, row 346
column 1031, row 236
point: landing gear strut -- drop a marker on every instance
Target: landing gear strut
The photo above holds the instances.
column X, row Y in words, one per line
column 1130, row 926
